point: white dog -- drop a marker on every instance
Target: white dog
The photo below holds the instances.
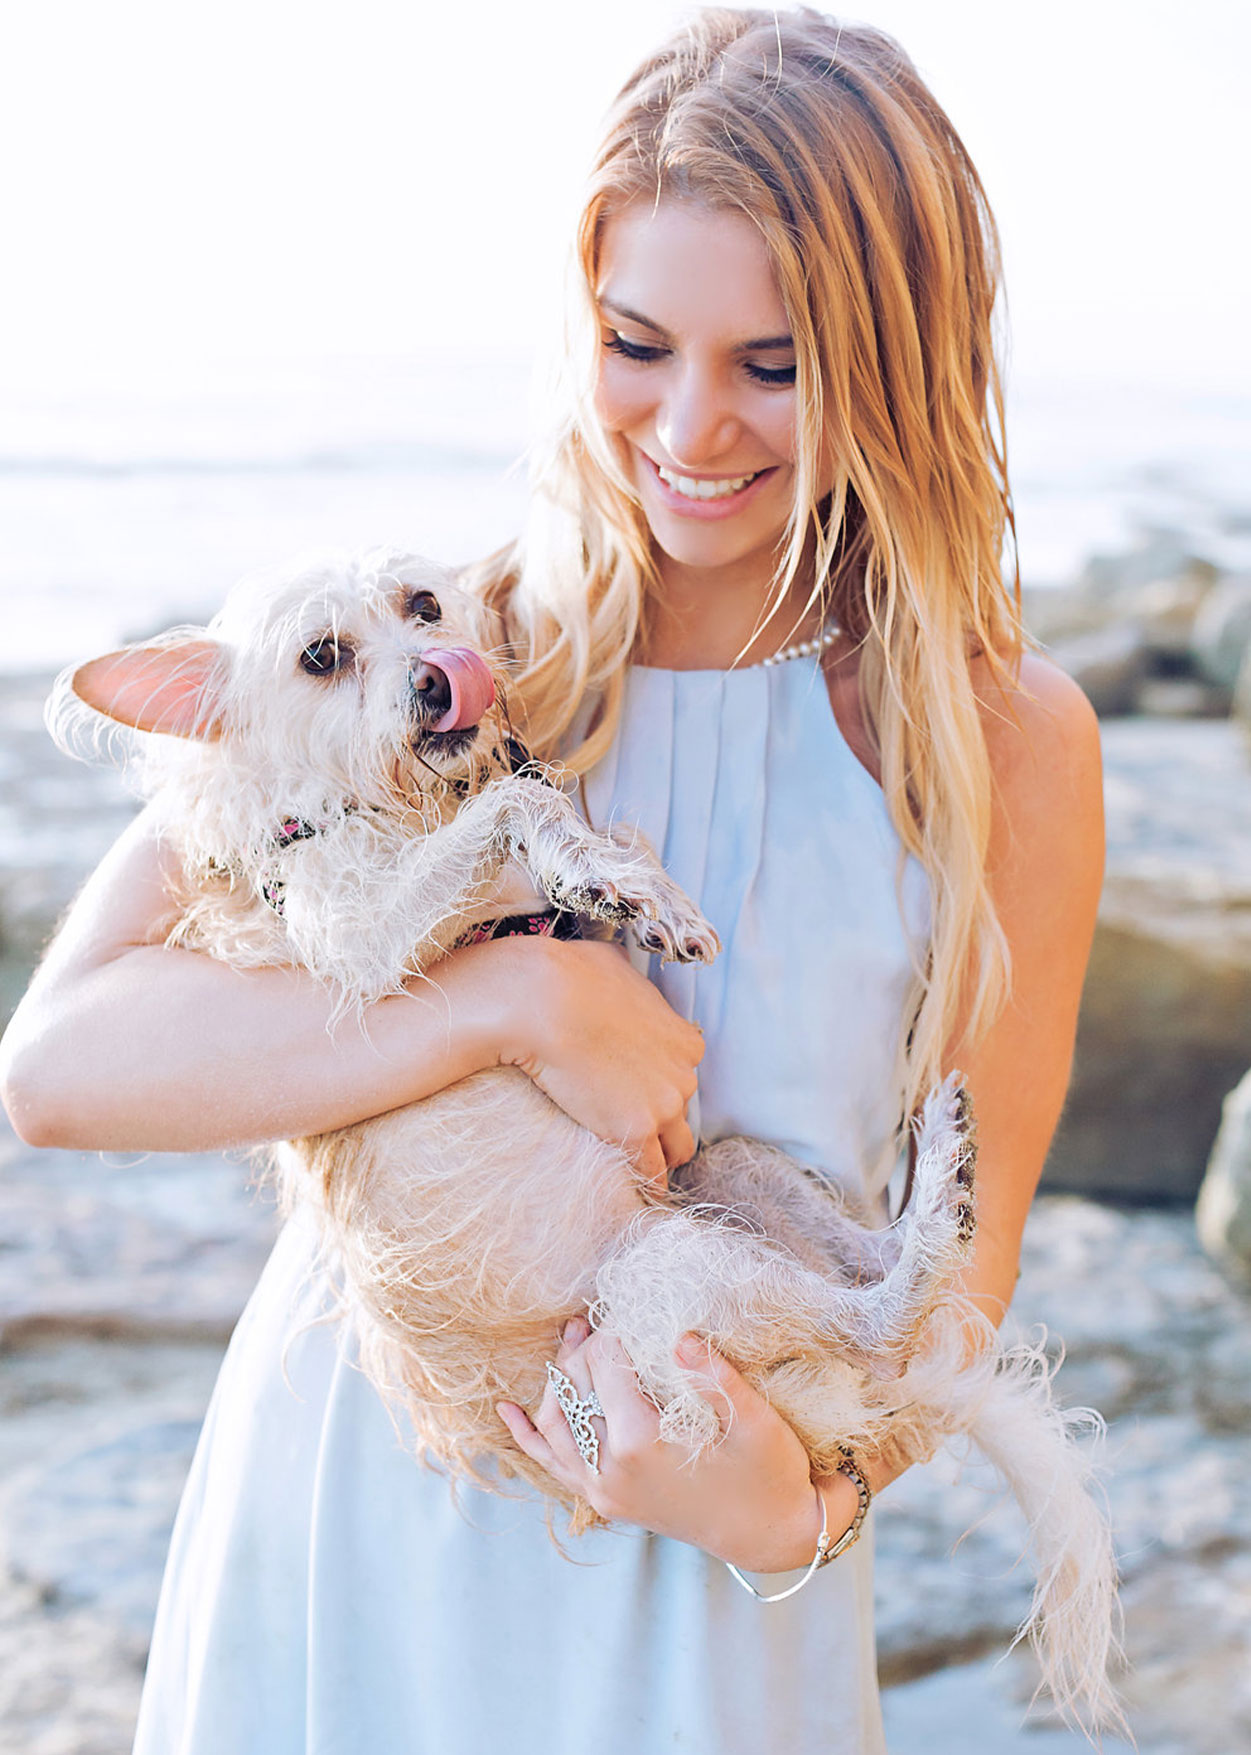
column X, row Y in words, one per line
column 341, row 786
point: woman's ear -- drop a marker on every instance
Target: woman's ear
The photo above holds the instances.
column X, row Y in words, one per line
column 172, row 686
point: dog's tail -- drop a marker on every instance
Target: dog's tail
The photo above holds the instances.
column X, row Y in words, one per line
column 1074, row 1620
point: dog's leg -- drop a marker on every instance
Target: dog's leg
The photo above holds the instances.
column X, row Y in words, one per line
column 364, row 908
column 935, row 1230
column 881, row 1286
column 613, row 878
column 825, row 1226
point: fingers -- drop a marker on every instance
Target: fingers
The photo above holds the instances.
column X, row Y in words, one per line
column 528, row 1438
column 677, row 1143
column 633, row 1420
column 574, row 1334
column 672, row 1145
column 720, row 1382
column 651, row 1161
column 547, row 1437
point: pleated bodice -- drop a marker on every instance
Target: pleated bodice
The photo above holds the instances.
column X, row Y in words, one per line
column 744, row 784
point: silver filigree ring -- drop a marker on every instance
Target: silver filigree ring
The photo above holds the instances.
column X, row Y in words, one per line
column 578, row 1414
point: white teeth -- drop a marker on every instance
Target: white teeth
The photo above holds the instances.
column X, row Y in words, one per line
column 700, row 488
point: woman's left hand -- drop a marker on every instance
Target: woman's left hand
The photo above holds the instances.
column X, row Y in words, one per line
column 749, row 1499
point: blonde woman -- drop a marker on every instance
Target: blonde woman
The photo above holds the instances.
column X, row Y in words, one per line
column 761, row 609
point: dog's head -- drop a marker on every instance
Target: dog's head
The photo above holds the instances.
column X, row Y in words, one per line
column 366, row 673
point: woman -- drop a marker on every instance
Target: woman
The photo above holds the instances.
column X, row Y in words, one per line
column 761, row 610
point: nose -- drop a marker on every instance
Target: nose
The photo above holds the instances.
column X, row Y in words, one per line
column 430, row 689
column 696, row 422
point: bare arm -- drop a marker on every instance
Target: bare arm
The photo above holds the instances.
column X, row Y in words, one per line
column 124, row 1043
column 1046, row 872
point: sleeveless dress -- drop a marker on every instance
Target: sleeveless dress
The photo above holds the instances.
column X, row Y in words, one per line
column 326, row 1595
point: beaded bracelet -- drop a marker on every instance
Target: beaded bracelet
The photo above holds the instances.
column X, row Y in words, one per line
column 826, row 1549
column 852, row 1534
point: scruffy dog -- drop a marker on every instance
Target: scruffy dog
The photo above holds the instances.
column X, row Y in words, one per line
column 344, row 793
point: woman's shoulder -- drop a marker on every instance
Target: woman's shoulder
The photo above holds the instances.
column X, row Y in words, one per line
column 1037, row 707
column 1042, row 741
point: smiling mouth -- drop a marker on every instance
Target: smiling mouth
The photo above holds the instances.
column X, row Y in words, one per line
column 703, row 487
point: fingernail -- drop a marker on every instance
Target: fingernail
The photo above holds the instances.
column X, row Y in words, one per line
column 691, row 1350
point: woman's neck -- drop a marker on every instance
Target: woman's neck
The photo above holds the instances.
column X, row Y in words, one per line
column 697, row 622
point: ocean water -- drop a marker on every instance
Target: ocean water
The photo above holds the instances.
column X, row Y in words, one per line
column 126, row 508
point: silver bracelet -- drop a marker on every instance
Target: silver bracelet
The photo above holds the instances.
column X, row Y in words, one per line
column 827, row 1550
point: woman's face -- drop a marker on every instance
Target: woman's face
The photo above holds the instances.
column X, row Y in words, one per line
column 697, row 381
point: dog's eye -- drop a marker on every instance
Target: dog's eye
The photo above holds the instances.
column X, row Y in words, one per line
column 326, row 655
column 425, row 606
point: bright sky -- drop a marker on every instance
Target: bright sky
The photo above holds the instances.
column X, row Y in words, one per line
column 267, row 178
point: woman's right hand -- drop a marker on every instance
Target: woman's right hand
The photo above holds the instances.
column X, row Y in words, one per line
column 604, row 1045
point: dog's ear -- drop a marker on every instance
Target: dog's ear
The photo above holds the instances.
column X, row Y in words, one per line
column 173, row 687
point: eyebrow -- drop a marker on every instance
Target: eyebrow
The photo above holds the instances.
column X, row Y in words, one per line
column 761, row 343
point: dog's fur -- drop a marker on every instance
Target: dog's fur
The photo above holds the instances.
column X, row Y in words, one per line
column 470, row 1226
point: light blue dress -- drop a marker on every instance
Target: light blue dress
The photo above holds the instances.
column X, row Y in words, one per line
column 325, row 1595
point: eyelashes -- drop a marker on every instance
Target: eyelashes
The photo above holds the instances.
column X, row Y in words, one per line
column 643, row 354
column 633, row 350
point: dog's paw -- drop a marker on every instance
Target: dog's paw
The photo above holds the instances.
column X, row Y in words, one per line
column 947, row 1163
column 599, row 899
column 678, row 936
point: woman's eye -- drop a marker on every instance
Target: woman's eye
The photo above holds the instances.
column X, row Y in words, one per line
column 770, row 374
column 323, row 657
column 633, row 350
column 425, row 606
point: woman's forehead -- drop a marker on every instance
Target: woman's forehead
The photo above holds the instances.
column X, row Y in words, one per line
column 686, row 267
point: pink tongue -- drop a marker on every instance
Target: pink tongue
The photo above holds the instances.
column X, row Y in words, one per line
column 469, row 683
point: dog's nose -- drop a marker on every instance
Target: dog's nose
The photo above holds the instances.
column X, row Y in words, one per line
column 452, row 687
column 431, row 690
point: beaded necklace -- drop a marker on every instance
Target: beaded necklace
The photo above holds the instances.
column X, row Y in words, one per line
column 806, row 648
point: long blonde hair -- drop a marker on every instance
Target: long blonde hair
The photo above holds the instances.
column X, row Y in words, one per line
column 887, row 260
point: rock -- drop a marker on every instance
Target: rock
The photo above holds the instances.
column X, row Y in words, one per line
column 1223, row 1213
column 1189, row 1645
column 57, row 818
column 1222, row 631
column 69, row 1682
column 1139, row 1312
column 76, row 1601
column 159, row 1245
column 1240, row 707
column 1132, row 1290
column 1125, row 630
column 93, row 1530
column 1110, row 663
column 1181, row 697
column 1064, row 612
column 1165, row 1029
column 1163, row 609
column 936, row 1712
column 1166, row 608
column 947, row 1576
column 1157, row 555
